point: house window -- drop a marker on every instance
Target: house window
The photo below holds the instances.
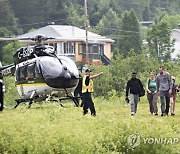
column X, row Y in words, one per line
column 61, row 48
column 80, row 49
column 53, row 45
column 95, row 48
column 90, row 49
column 101, row 49
column 69, row 48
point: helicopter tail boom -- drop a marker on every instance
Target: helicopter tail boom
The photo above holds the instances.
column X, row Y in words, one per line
column 8, row 70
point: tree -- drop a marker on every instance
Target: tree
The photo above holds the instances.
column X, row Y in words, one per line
column 109, row 24
column 172, row 20
column 8, row 52
column 159, row 41
column 4, row 32
column 129, row 35
column 146, row 14
column 7, row 18
column 75, row 15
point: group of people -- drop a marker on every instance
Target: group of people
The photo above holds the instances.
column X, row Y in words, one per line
column 163, row 85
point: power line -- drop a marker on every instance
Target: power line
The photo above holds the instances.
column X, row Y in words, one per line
column 38, row 23
column 116, row 29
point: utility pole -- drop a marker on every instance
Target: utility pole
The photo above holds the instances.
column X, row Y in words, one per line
column 86, row 29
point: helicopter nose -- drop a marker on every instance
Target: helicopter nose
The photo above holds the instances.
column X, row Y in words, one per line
column 67, row 76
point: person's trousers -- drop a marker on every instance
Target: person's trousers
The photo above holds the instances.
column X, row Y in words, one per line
column 165, row 99
column 152, row 98
column 134, row 101
column 1, row 102
column 76, row 92
column 88, row 103
column 173, row 101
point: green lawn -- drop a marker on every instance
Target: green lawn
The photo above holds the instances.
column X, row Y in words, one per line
column 52, row 129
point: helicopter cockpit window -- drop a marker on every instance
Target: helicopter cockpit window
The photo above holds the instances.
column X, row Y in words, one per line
column 38, row 74
column 23, row 73
column 17, row 74
column 31, row 71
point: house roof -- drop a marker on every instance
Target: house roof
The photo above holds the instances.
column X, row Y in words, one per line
column 146, row 23
column 67, row 33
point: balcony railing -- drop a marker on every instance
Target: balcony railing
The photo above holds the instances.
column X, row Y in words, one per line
column 92, row 56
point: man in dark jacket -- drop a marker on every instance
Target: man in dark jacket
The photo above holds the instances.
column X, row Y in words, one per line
column 78, row 91
column 135, row 86
column 2, row 88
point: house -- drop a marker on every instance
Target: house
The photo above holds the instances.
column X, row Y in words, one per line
column 146, row 23
column 71, row 41
column 176, row 35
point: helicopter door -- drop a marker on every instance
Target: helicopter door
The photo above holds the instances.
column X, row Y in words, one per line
column 21, row 79
column 21, row 75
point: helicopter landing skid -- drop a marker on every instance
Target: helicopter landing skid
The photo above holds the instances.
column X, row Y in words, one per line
column 19, row 101
column 30, row 100
column 69, row 97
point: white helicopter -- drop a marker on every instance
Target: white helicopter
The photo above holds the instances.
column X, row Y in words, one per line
column 40, row 74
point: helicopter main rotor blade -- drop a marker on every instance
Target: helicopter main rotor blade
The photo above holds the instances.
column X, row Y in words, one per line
column 13, row 39
column 28, row 38
column 7, row 39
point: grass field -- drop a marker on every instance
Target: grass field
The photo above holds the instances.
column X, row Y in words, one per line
column 50, row 129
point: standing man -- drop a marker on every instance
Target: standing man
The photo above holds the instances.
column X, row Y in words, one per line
column 2, row 89
column 87, row 89
column 78, row 90
column 175, row 89
column 135, row 86
column 164, row 88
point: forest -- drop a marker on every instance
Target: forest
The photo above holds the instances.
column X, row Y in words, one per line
column 117, row 19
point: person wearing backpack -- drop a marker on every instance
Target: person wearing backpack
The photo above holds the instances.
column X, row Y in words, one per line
column 175, row 89
column 134, row 85
column 152, row 94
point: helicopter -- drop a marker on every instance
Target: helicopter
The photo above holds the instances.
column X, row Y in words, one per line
column 40, row 74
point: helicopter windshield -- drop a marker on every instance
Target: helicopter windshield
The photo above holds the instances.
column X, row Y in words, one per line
column 50, row 67
column 70, row 65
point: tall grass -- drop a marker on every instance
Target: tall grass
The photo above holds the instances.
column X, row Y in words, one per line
column 51, row 129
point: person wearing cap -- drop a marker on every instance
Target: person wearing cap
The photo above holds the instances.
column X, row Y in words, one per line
column 164, row 88
column 175, row 89
column 87, row 89
column 134, row 85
